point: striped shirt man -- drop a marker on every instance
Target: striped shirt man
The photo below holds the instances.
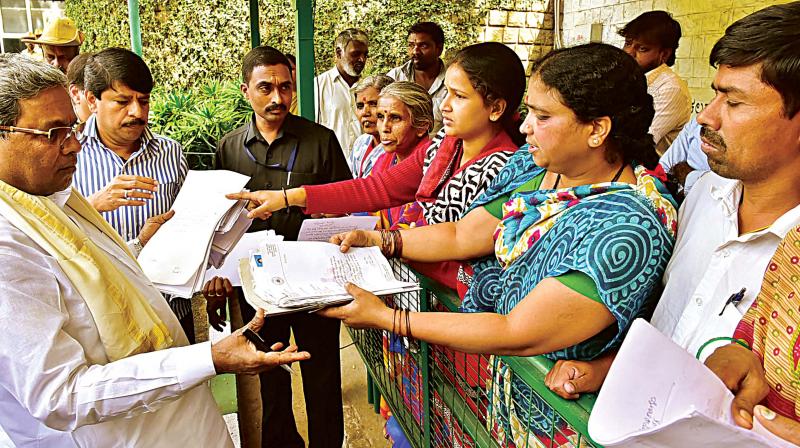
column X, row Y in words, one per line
column 158, row 157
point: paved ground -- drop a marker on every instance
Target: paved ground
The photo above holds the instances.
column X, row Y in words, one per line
column 363, row 427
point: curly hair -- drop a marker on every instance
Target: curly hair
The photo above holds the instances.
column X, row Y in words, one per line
column 496, row 72
column 598, row 80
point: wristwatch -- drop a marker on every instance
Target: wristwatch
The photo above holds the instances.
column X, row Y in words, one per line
column 137, row 245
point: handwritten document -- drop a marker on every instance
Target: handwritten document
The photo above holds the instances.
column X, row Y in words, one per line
column 175, row 258
column 658, row 395
column 323, row 229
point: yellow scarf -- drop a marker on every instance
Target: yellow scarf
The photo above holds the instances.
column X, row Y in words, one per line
column 124, row 318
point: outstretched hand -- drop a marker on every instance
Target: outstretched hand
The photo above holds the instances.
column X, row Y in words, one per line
column 365, row 311
column 235, row 354
column 262, row 203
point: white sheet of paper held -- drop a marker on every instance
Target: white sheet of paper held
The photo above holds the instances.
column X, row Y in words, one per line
column 323, row 229
column 657, row 395
column 176, row 252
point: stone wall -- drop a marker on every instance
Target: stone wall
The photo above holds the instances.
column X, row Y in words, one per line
column 702, row 23
column 524, row 25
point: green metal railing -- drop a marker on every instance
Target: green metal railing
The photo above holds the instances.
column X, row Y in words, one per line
column 444, row 398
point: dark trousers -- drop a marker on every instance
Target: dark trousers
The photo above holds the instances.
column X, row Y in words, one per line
column 322, row 381
column 187, row 323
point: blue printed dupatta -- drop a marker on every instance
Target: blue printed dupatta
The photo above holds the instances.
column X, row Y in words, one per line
column 620, row 235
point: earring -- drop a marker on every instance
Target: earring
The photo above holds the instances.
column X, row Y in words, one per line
column 595, row 141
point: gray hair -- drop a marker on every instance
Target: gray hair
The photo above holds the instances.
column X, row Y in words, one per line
column 378, row 82
column 349, row 35
column 22, row 78
column 416, row 99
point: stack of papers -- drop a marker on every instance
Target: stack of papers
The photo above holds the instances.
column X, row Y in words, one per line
column 301, row 275
column 205, row 222
column 658, row 395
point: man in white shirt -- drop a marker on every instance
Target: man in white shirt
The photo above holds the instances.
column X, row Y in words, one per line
column 732, row 222
column 652, row 39
column 333, row 90
column 88, row 361
column 425, row 66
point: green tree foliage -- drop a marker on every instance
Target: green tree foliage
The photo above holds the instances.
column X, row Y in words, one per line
column 188, row 43
column 194, row 49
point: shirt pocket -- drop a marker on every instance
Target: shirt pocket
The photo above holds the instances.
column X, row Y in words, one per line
column 297, row 179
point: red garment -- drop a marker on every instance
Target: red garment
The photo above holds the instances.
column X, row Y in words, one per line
column 401, row 184
column 395, row 186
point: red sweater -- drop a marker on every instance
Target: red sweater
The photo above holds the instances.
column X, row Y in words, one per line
column 390, row 188
column 396, row 186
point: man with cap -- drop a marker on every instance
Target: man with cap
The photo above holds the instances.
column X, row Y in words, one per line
column 30, row 48
column 60, row 41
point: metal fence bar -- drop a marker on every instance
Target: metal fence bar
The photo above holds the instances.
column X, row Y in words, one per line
column 461, row 398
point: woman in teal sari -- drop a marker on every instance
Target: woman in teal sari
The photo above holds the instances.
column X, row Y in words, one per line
column 579, row 230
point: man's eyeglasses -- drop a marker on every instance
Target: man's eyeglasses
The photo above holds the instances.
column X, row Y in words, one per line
column 54, row 135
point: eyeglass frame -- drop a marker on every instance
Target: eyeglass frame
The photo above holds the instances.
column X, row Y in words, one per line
column 73, row 130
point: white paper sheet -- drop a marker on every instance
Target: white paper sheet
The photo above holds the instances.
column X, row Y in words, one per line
column 301, row 275
column 249, row 242
column 180, row 247
column 323, row 229
column 658, row 395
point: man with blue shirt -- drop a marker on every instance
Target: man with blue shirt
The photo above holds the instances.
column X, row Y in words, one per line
column 128, row 173
column 684, row 159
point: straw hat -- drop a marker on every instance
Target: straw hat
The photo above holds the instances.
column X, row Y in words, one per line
column 61, row 32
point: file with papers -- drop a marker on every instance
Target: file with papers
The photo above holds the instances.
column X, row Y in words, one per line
column 656, row 395
column 176, row 257
column 301, row 275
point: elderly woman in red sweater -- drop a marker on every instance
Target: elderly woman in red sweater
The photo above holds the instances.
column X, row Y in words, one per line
column 479, row 136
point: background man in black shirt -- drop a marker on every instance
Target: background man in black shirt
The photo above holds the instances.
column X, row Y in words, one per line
column 279, row 150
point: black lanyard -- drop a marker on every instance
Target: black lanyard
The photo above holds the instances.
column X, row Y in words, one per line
column 289, row 166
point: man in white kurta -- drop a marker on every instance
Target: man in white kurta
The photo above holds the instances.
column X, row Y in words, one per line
column 58, row 386
column 334, row 90
column 106, row 369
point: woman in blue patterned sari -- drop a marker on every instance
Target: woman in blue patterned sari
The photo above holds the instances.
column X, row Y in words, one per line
column 579, row 229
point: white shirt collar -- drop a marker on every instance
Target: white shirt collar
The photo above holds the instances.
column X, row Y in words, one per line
column 61, row 197
column 729, row 194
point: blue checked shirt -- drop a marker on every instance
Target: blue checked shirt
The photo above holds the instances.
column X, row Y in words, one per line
column 158, row 157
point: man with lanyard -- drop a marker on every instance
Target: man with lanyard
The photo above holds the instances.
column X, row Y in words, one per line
column 425, row 66
column 279, row 150
column 128, row 173
column 733, row 220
